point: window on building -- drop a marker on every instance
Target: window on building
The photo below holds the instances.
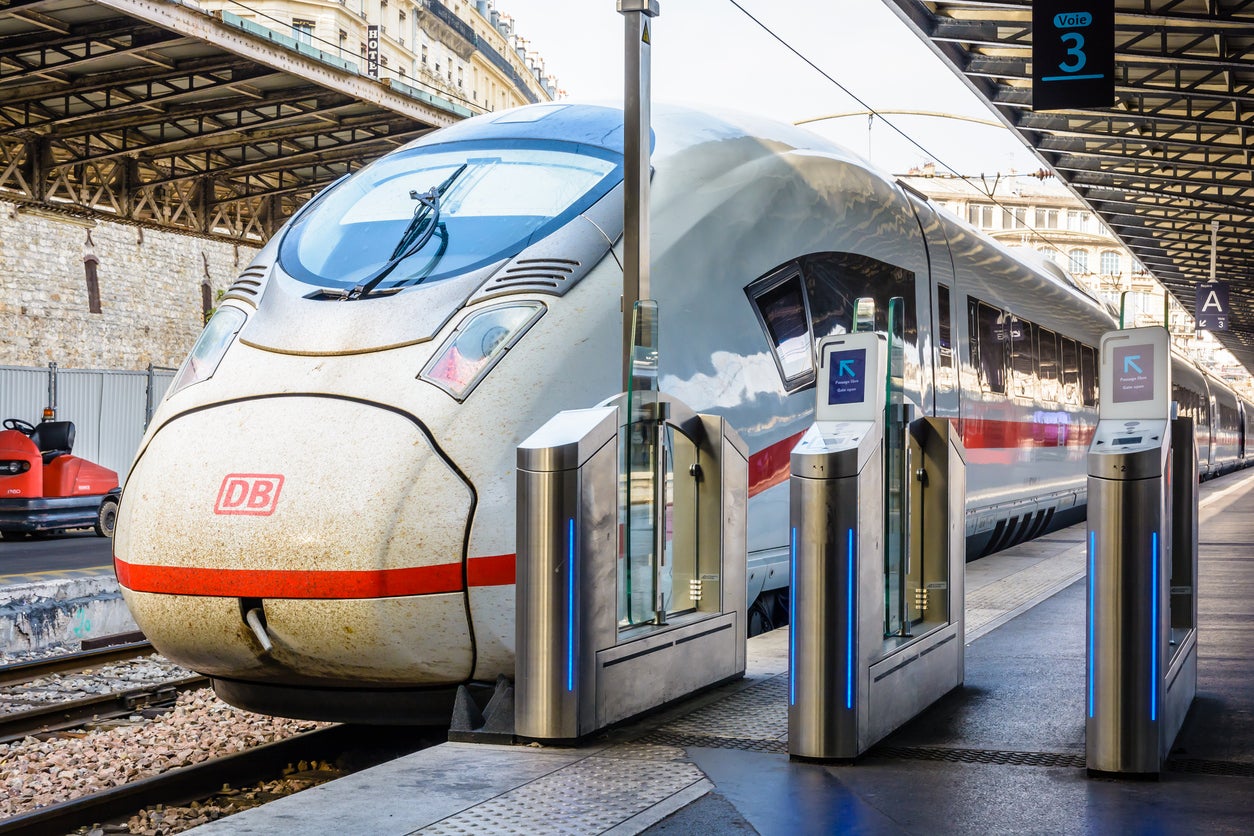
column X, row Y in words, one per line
column 984, row 215
column 1079, row 260
column 1075, row 220
column 303, row 30
column 423, row 54
column 1046, row 218
column 1111, row 263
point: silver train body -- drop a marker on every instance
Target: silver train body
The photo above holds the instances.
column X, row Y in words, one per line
column 337, row 455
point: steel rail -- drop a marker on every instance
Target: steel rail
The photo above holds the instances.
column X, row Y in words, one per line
column 19, row 672
column 72, row 714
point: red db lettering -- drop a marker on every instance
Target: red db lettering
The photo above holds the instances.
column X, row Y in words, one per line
column 255, row 494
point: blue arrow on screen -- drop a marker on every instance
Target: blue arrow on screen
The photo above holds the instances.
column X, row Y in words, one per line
column 846, row 369
column 1129, row 364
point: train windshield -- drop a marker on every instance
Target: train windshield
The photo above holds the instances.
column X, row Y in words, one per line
column 438, row 211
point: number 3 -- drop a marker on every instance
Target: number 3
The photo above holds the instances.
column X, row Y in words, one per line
column 1076, row 51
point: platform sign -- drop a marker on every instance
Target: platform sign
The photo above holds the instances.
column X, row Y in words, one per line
column 1212, row 307
column 1073, row 54
column 372, row 51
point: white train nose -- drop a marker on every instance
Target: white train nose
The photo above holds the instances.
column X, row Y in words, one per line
column 344, row 531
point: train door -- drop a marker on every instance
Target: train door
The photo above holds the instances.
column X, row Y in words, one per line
column 937, row 298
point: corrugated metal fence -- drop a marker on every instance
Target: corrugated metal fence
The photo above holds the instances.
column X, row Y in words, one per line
column 110, row 409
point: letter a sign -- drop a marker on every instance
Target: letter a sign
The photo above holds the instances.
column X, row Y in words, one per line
column 1212, row 307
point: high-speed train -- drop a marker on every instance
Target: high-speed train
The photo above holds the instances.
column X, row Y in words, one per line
column 335, row 461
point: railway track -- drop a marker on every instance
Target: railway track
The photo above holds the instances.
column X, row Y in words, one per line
column 70, row 714
column 358, row 746
column 104, row 652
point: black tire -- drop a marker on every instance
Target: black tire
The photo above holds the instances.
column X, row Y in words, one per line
column 759, row 619
column 106, row 517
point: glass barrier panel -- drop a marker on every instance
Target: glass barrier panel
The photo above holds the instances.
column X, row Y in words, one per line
column 641, row 465
column 896, row 553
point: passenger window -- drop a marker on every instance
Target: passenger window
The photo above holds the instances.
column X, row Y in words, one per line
column 781, row 308
column 993, row 339
column 1047, row 362
column 834, row 281
column 1088, row 375
column 1070, row 371
column 945, row 336
column 1023, row 356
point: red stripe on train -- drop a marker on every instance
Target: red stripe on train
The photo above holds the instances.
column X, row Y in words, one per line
column 496, row 570
column 769, row 467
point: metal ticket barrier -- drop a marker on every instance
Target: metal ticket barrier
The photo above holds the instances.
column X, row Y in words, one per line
column 1142, row 560
column 631, row 562
column 877, row 522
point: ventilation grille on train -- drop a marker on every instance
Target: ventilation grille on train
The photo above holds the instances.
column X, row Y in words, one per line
column 248, row 285
column 534, row 275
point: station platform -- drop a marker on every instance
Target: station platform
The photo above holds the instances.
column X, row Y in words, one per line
column 1004, row 753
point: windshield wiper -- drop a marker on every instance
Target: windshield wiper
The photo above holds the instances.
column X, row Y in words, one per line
column 416, row 234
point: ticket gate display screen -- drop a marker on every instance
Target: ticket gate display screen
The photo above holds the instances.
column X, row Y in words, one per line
column 847, row 376
column 1133, row 373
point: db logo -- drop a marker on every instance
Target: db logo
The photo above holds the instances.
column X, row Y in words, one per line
column 249, row 493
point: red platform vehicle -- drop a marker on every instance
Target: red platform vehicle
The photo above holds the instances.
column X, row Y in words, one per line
column 45, row 489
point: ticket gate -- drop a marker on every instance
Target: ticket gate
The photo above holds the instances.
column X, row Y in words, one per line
column 1142, row 560
column 631, row 561
column 878, row 551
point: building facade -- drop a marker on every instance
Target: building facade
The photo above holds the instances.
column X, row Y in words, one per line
column 465, row 51
column 1034, row 211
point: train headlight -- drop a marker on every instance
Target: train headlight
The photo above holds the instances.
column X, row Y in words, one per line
column 479, row 342
column 209, row 348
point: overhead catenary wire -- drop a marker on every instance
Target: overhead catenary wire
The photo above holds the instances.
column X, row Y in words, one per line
column 877, row 114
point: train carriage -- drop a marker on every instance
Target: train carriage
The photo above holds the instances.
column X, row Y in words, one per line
column 321, row 514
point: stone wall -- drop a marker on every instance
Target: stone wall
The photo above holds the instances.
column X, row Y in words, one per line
column 150, row 291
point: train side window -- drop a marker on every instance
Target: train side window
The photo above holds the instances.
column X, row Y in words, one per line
column 1023, row 357
column 1047, row 362
column 993, row 339
column 1070, row 371
column 1088, row 375
column 781, row 307
column 834, row 281
column 944, row 336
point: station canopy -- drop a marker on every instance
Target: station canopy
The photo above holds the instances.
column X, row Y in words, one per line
column 159, row 114
column 1169, row 158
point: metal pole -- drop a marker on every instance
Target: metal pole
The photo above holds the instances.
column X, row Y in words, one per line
column 50, row 411
column 636, row 149
column 1214, row 244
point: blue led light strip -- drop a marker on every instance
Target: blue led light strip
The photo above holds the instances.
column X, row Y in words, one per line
column 570, row 604
column 792, row 620
column 852, row 584
column 1154, row 631
column 1092, row 611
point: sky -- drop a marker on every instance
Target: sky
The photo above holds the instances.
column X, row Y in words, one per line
column 710, row 52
